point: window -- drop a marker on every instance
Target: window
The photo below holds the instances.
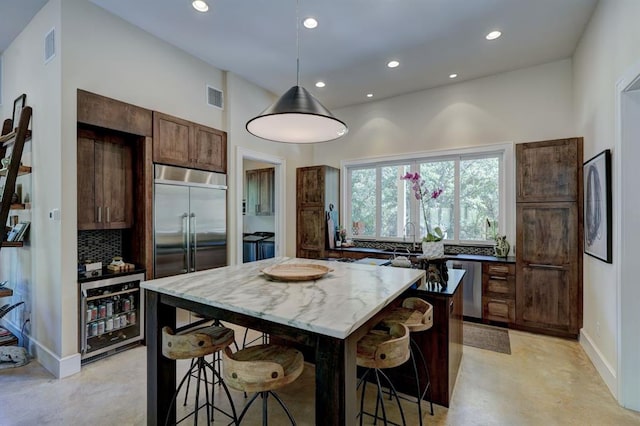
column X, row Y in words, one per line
column 380, row 205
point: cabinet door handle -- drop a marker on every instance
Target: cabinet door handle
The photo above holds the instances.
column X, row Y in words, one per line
column 544, row 266
column 99, row 214
column 194, row 247
column 498, row 278
column 185, row 242
column 108, row 215
column 451, row 307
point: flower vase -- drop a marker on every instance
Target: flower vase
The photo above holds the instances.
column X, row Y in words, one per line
column 433, row 249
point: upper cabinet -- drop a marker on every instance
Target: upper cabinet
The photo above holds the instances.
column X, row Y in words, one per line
column 182, row 143
column 549, row 171
column 105, row 181
column 260, row 192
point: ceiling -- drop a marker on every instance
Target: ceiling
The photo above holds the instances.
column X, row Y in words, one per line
column 354, row 40
column 14, row 16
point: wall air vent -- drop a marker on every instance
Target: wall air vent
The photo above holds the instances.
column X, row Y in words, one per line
column 50, row 45
column 215, row 97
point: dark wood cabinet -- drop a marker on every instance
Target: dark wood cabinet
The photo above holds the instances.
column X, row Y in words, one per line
column 318, row 191
column 549, row 237
column 182, row 143
column 498, row 292
column 260, row 192
column 105, row 181
column 547, row 287
column 549, row 170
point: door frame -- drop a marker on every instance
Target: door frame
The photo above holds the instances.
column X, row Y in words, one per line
column 280, row 166
column 626, row 154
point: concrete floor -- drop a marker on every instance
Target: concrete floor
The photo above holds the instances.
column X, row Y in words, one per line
column 545, row 381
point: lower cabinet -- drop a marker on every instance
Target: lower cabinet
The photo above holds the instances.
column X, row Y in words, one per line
column 499, row 292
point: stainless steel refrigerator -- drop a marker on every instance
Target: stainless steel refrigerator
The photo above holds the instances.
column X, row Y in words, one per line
column 190, row 220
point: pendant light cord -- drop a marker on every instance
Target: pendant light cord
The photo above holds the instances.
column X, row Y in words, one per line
column 297, row 42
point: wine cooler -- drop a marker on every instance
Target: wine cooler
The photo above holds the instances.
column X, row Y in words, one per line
column 111, row 314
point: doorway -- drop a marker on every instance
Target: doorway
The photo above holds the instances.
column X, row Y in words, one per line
column 627, row 230
column 260, row 198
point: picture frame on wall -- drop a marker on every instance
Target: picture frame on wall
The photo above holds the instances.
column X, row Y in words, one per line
column 597, row 206
column 18, row 104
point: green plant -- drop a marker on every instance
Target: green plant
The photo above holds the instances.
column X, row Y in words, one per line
column 422, row 194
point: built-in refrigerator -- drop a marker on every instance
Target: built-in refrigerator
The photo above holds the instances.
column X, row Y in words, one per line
column 190, row 220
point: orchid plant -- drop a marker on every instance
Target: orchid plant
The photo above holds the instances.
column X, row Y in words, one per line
column 422, row 194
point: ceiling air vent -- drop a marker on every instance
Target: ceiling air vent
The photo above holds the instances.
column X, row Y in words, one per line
column 215, row 97
column 50, row 45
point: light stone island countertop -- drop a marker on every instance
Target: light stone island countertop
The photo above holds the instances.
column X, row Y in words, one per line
column 334, row 305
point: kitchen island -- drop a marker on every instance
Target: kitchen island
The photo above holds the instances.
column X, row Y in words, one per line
column 329, row 314
column 442, row 343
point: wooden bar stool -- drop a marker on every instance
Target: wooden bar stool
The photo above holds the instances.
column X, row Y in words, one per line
column 378, row 350
column 262, row 369
column 196, row 344
column 417, row 315
column 216, row 360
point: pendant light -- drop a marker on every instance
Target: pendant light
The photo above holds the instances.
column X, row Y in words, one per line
column 297, row 116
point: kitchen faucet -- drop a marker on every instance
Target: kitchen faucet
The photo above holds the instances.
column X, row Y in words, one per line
column 404, row 234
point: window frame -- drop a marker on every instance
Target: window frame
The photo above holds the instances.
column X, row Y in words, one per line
column 505, row 153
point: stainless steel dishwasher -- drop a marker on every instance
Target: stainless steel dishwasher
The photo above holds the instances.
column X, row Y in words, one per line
column 472, row 287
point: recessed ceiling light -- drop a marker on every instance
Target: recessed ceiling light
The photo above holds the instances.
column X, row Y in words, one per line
column 320, row 84
column 200, row 5
column 454, row 75
column 493, row 35
column 310, row 23
column 393, row 64
column 369, row 95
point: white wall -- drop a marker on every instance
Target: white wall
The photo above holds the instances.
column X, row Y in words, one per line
column 25, row 72
column 607, row 49
column 526, row 105
column 519, row 106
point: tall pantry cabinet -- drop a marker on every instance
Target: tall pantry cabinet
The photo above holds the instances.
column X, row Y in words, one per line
column 549, row 237
column 318, row 192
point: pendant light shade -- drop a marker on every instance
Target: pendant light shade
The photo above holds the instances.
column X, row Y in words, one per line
column 297, row 117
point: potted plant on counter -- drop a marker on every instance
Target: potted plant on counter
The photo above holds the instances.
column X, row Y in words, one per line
column 501, row 247
column 432, row 244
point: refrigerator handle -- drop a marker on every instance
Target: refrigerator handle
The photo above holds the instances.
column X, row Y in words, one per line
column 194, row 245
column 185, row 242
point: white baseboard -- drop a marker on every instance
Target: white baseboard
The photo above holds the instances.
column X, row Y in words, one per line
column 606, row 371
column 59, row 367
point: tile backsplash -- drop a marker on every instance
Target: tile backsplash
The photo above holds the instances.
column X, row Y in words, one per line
column 448, row 249
column 100, row 245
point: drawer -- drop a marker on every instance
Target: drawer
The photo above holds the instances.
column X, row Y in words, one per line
column 504, row 286
column 495, row 268
column 498, row 309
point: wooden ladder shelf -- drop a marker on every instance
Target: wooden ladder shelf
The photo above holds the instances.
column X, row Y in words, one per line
column 20, row 135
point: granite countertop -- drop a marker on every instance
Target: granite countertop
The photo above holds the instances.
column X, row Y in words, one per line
column 400, row 252
column 334, row 305
column 455, row 278
column 106, row 274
